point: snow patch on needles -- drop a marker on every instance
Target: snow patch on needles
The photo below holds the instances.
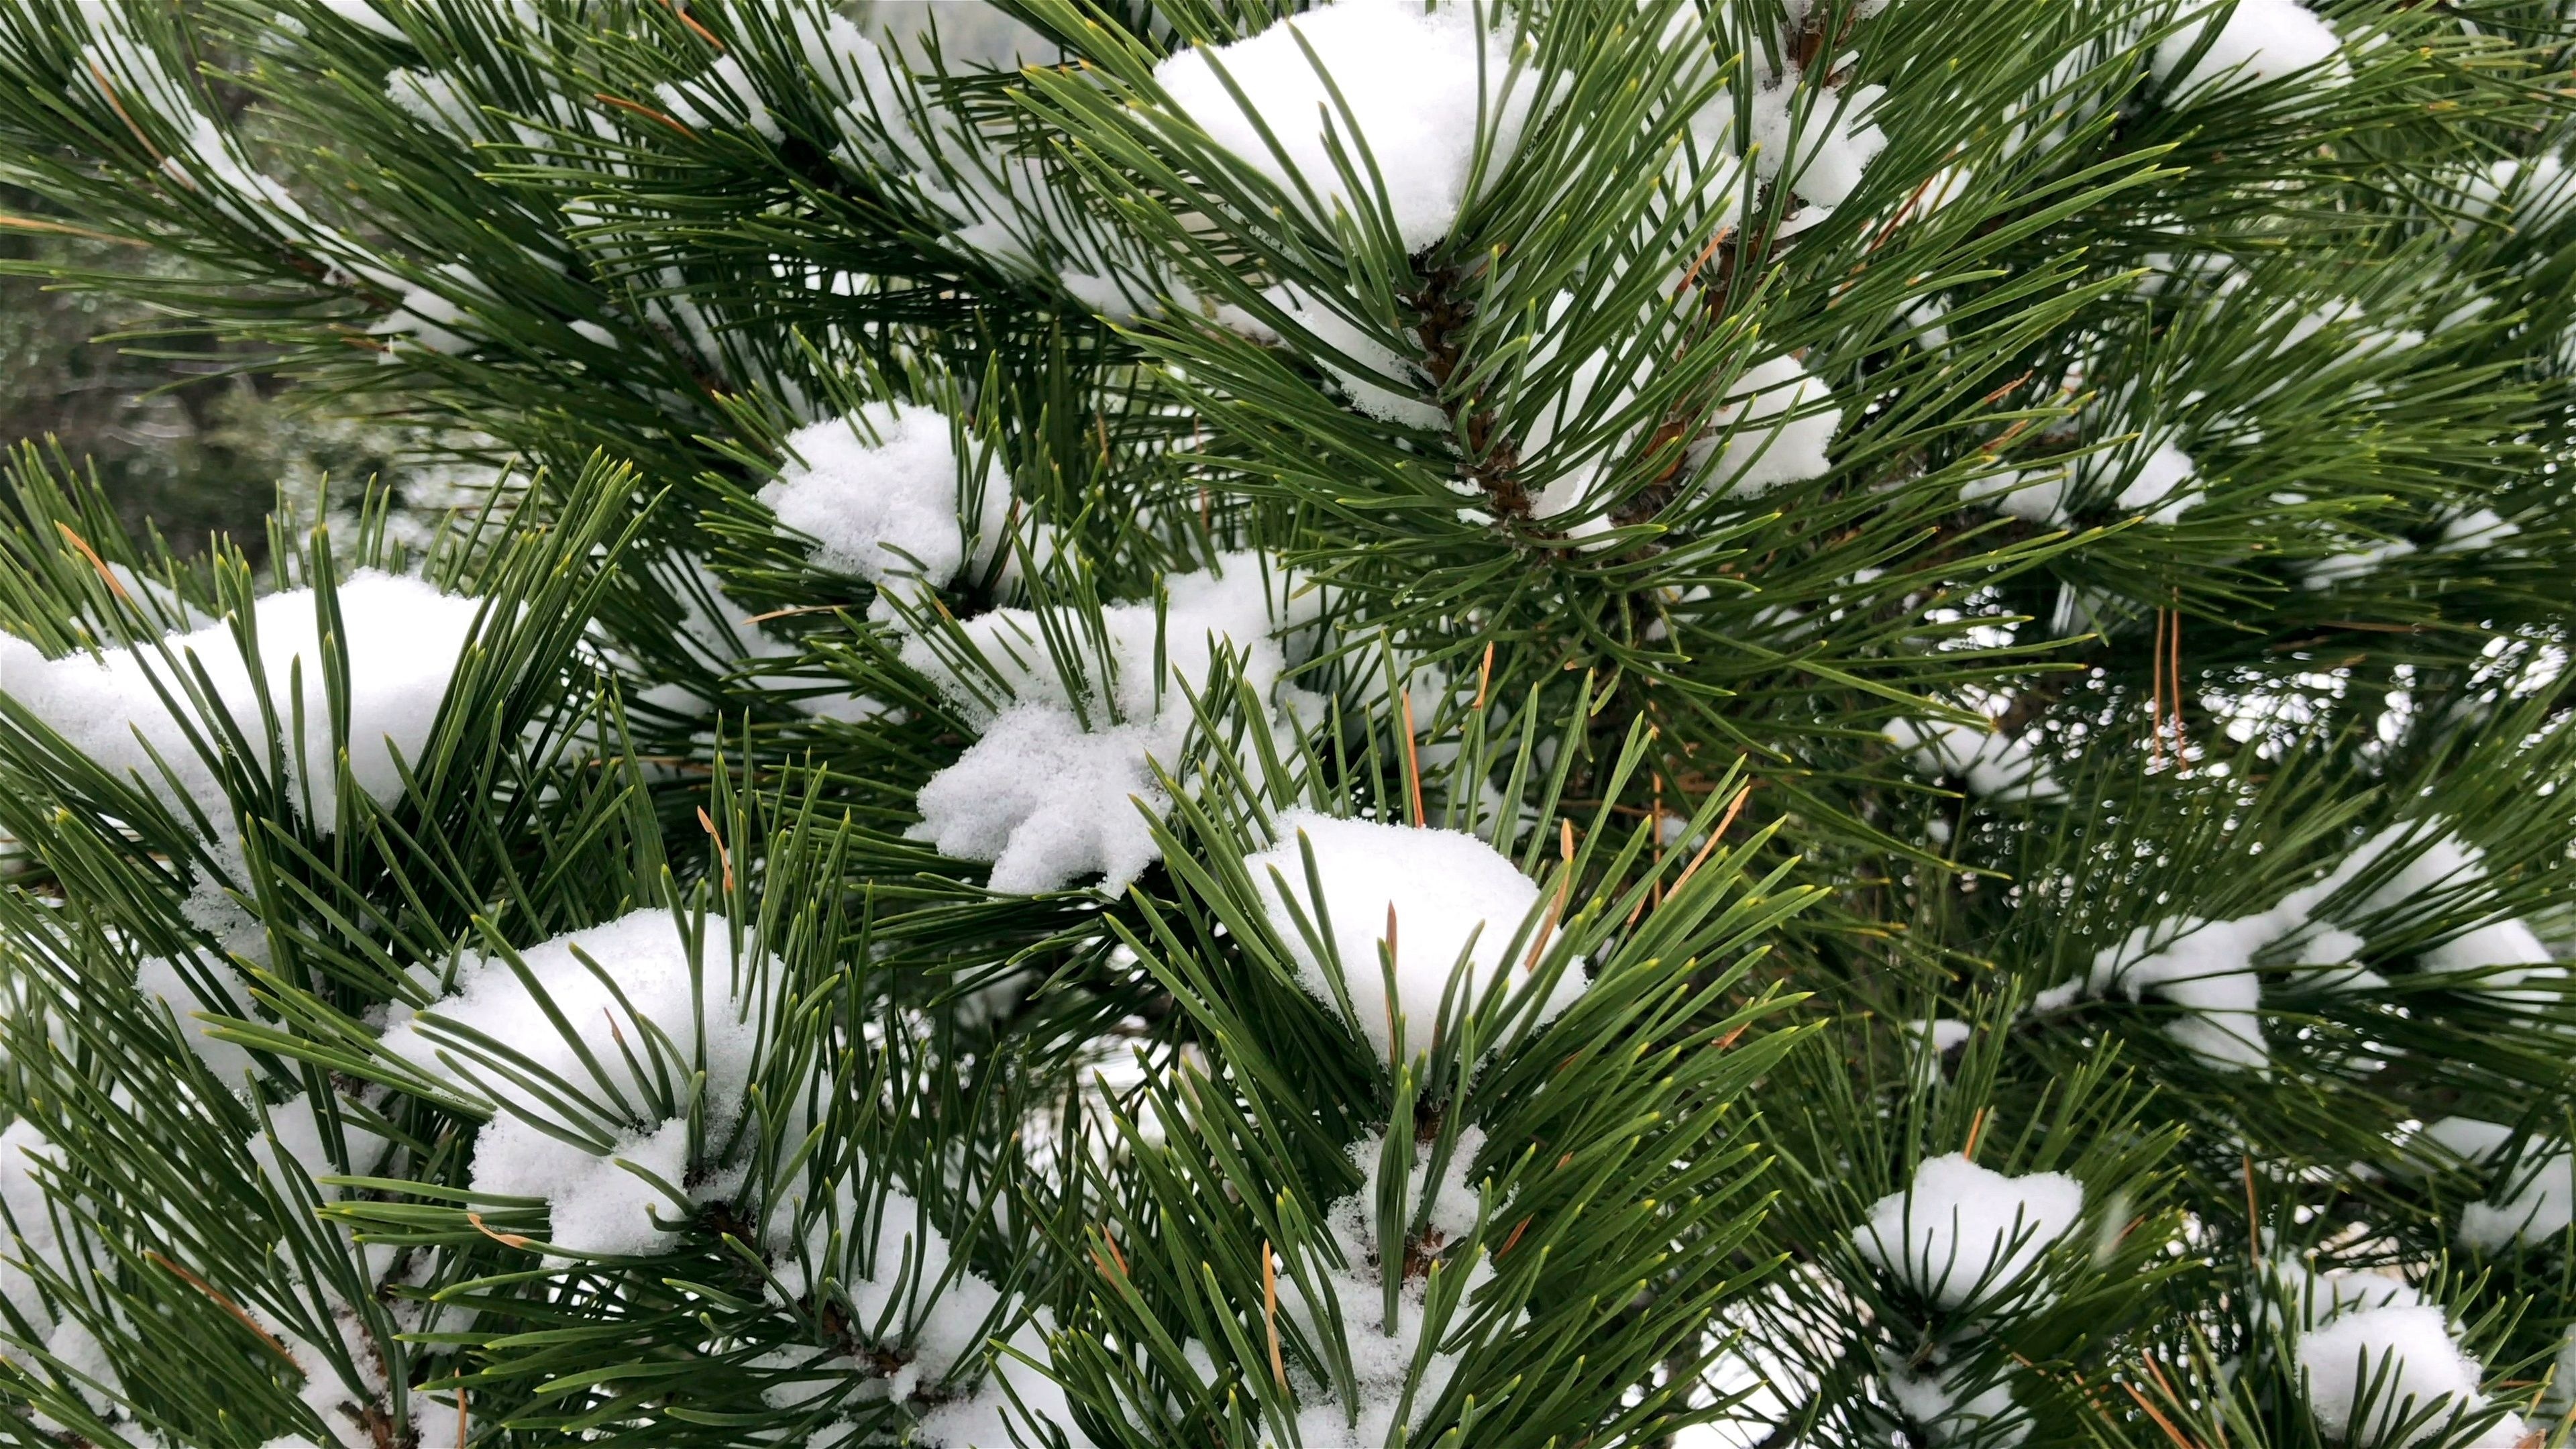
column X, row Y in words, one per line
column 1399, row 1369
column 1988, row 762
column 2205, row 967
column 2538, row 1205
column 2403, row 1360
column 662, row 1022
column 1455, row 906
column 1049, row 792
column 2208, row 967
column 2535, row 194
column 1950, row 1408
column 1416, row 83
column 723, row 95
column 1772, row 429
column 2256, row 41
column 882, row 493
column 27, row 1157
column 1822, row 154
column 1963, row 1233
column 402, row 638
column 906, row 1291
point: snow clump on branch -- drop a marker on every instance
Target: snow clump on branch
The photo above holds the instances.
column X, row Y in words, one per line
column 881, row 493
column 1407, row 1358
column 1071, row 732
column 2255, row 41
column 402, row 639
column 2208, row 967
column 1446, row 906
column 1772, row 429
column 1990, row 763
column 905, row 1291
column 2371, row 1371
column 1963, row 1233
column 1415, row 82
column 669, row 1017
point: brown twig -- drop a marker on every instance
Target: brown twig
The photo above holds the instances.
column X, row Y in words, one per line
column 1733, row 809
column 229, row 1306
column 2176, row 1435
column 507, row 1240
column 680, row 8
column 1412, row 762
column 1270, row 1315
column 114, row 584
column 109, row 91
column 647, row 112
column 1564, row 891
column 29, row 223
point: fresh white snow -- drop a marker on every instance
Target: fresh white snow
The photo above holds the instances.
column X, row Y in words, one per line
column 1456, row 904
column 1417, row 82
column 1961, row 1233
column 402, row 639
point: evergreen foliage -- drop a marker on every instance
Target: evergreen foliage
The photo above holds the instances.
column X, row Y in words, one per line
column 1404, row 724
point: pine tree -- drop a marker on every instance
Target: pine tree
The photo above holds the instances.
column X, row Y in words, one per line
column 1396, row 723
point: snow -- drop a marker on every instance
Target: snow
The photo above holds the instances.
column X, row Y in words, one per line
column 595, row 1205
column 1366, row 387
column 2031, row 495
column 2443, row 864
column 1447, row 1205
column 1949, row 1412
column 2536, row 193
column 1398, row 1359
column 2158, row 484
column 1773, row 429
column 24, row 1150
column 402, row 636
column 1049, row 802
column 1047, row 791
column 1416, row 83
column 2403, row 1351
column 1456, row 904
column 1963, row 1233
column 363, row 15
column 906, row 1289
column 1013, row 1392
column 2152, row 476
column 434, row 101
column 718, row 631
column 1988, row 762
column 970, row 32
column 2206, row 967
column 2352, row 563
column 429, row 317
column 2256, row 41
column 226, row 993
column 721, row 96
column 88, row 1369
column 2477, row 528
column 2321, row 1297
column 881, row 493
column 294, row 1136
column 2462, row 1139
column 2537, row 1208
column 2481, row 948
column 1823, row 155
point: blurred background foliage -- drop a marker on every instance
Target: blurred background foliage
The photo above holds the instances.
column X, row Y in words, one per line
column 196, row 439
